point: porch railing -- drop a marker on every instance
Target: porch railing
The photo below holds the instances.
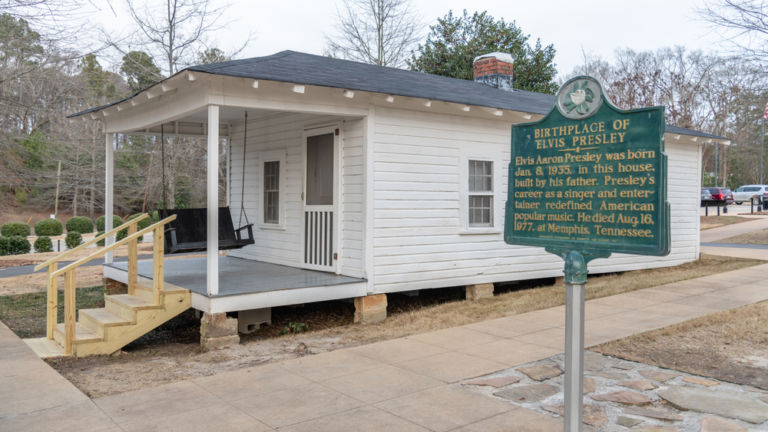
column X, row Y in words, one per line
column 70, row 305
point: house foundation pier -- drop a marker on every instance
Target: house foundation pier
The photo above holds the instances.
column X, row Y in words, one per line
column 479, row 291
column 217, row 330
column 371, row 309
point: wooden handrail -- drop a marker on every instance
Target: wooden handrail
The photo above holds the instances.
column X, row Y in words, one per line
column 53, row 265
column 70, row 301
column 114, row 245
column 64, row 254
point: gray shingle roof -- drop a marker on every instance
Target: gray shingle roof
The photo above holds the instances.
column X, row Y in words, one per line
column 308, row 69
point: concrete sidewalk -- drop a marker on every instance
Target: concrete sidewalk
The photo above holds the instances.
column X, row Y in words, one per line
column 406, row 384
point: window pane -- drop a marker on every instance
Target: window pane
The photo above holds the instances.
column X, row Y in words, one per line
column 480, row 210
column 272, row 192
column 480, row 176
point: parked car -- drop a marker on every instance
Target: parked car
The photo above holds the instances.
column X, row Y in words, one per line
column 720, row 196
column 706, row 196
column 727, row 196
column 747, row 192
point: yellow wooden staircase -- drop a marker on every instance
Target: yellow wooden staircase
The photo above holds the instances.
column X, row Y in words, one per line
column 124, row 317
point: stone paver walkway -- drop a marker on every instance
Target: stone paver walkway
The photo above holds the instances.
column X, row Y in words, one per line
column 406, row 384
column 624, row 395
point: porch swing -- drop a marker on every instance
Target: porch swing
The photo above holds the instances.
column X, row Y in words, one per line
column 188, row 233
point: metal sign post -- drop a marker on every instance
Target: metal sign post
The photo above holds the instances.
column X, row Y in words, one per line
column 575, row 292
column 574, row 355
column 585, row 181
column 574, row 339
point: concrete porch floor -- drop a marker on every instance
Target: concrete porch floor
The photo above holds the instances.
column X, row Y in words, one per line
column 239, row 276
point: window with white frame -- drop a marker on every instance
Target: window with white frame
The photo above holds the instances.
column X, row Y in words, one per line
column 272, row 192
column 480, row 194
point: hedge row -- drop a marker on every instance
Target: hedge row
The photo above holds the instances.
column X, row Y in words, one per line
column 43, row 244
column 54, row 227
column 13, row 235
column 14, row 229
column 81, row 224
column 49, row 227
column 14, row 245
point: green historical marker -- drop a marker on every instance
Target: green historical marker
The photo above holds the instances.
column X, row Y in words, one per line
column 585, row 181
column 589, row 177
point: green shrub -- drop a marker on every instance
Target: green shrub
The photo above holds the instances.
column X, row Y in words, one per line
column 100, row 242
column 116, row 222
column 18, row 245
column 74, row 239
column 15, row 229
column 155, row 216
column 49, row 227
column 5, row 246
column 81, row 224
column 43, row 244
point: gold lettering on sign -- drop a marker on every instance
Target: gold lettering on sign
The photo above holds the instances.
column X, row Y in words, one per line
column 571, row 186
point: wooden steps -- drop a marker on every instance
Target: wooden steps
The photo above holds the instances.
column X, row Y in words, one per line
column 124, row 319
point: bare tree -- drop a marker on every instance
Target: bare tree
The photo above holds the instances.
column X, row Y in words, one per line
column 719, row 95
column 744, row 24
column 171, row 30
column 382, row 32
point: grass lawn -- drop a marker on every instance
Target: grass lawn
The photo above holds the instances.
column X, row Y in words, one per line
column 25, row 314
column 709, row 222
column 731, row 345
column 755, row 237
column 520, row 298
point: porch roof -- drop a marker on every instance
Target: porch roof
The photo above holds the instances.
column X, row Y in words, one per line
column 307, row 69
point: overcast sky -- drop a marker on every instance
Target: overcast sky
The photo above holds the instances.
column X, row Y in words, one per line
column 597, row 27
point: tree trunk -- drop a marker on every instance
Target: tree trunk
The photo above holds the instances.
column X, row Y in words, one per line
column 74, row 202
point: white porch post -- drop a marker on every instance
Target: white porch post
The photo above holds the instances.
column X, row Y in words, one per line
column 109, row 180
column 212, row 175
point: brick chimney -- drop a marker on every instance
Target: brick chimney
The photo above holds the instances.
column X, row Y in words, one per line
column 494, row 69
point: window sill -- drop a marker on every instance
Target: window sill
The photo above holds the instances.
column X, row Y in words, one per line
column 273, row 227
column 480, row 231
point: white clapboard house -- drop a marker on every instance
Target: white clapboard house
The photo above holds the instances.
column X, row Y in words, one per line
column 357, row 180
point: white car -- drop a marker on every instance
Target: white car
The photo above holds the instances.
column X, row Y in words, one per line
column 747, row 192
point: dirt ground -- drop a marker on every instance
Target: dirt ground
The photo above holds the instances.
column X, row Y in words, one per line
column 11, row 213
column 731, row 346
column 37, row 282
column 171, row 352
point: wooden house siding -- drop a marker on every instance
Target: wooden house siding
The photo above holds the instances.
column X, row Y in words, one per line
column 420, row 238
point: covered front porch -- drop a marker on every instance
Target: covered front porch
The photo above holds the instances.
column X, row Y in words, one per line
column 291, row 158
column 245, row 284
